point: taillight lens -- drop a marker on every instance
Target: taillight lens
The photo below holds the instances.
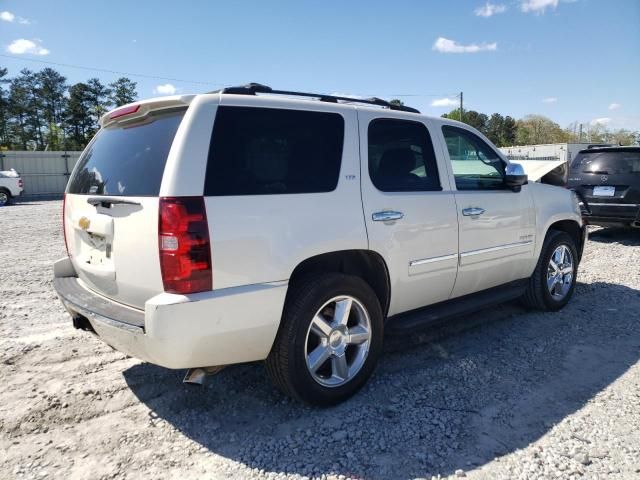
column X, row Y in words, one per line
column 20, row 183
column 185, row 250
column 64, row 223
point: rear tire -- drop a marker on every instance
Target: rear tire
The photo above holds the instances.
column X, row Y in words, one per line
column 5, row 197
column 554, row 280
column 329, row 340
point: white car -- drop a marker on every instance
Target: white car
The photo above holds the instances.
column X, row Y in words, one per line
column 11, row 186
column 253, row 224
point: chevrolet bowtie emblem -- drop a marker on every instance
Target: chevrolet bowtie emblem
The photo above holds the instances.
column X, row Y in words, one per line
column 84, row 223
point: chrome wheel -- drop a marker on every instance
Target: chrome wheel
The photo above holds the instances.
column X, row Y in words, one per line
column 338, row 340
column 560, row 272
column 4, row 199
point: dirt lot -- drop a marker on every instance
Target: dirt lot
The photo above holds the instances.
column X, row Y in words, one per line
column 501, row 394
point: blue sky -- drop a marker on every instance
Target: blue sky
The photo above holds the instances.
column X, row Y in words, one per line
column 571, row 60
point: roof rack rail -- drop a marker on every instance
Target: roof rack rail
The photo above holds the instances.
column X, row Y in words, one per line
column 255, row 88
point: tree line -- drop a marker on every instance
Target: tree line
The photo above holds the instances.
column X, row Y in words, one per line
column 538, row 129
column 41, row 111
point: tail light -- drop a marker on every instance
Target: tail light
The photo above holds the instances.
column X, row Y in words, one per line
column 64, row 223
column 20, row 183
column 185, row 250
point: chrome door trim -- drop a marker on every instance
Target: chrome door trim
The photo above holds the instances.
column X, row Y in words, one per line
column 495, row 249
column 423, row 261
column 634, row 205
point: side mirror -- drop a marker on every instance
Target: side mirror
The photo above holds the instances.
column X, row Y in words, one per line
column 515, row 177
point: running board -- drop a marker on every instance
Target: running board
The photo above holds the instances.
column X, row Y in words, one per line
column 416, row 320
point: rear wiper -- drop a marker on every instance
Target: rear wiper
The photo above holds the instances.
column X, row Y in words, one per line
column 109, row 201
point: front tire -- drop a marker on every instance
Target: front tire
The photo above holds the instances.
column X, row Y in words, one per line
column 554, row 280
column 329, row 340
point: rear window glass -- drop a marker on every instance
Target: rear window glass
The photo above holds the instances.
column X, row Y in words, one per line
column 126, row 161
column 613, row 163
column 264, row 151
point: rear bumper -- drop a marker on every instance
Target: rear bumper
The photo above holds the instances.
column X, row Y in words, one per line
column 231, row 325
column 597, row 213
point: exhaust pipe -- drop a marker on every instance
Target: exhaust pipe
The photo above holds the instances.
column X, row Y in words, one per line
column 196, row 376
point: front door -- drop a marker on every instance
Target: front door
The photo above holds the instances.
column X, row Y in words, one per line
column 497, row 225
column 409, row 209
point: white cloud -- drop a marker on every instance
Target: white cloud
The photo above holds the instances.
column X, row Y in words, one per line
column 22, row 46
column 165, row 89
column 614, row 106
column 444, row 45
column 10, row 17
column 489, row 9
column 538, row 6
column 550, row 100
column 7, row 16
column 601, row 121
column 444, row 102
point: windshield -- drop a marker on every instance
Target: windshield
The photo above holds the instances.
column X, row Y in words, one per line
column 126, row 160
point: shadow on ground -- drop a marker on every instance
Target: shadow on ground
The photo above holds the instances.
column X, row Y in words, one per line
column 484, row 386
column 623, row 236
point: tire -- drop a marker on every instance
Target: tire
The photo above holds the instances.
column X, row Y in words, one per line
column 539, row 294
column 307, row 334
column 5, row 197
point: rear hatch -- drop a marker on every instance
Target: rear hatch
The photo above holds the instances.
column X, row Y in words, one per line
column 111, row 203
column 608, row 178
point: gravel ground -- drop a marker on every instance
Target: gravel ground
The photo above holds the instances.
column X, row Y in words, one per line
column 500, row 394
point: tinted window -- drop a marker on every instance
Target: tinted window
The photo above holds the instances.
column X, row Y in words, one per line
column 611, row 163
column 401, row 156
column 126, row 161
column 476, row 166
column 264, row 151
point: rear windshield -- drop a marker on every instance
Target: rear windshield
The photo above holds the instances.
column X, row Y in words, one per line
column 266, row 151
column 126, row 161
column 610, row 163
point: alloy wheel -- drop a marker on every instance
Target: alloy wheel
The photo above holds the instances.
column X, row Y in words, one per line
column 560, row 272
column 338, row 340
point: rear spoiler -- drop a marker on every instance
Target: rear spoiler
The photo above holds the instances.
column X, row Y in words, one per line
column 139, row 110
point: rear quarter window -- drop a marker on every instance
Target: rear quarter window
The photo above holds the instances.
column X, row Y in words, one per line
column 265, row 151
column 126, row 160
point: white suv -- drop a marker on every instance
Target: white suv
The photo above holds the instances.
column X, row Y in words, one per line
column 251, row 224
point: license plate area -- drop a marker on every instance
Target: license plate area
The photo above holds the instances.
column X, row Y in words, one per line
column 604, row 191
column 96, row 250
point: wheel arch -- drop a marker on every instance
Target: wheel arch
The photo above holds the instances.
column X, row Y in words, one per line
column 573, row 229
column 366, row 264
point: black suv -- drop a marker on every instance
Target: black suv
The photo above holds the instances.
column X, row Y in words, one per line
column 607, row 181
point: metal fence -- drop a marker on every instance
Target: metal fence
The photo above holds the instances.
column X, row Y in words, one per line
column 44, row 173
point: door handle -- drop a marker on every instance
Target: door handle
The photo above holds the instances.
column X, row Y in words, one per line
column 387, row 216
column 472, row 211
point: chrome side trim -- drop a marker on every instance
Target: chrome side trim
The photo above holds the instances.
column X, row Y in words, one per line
column 633, row 205
column 495, row 249
column 415, row 263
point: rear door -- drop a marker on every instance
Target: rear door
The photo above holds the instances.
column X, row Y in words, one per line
column 111, row 207
column 608, row 181
column 409, row 209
